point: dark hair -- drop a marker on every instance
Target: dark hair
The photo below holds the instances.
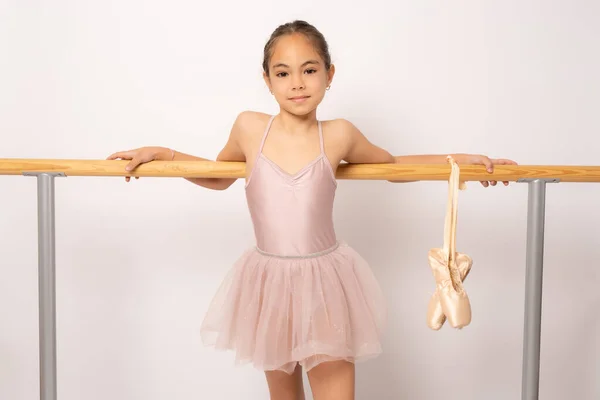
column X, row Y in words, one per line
column 304, row 28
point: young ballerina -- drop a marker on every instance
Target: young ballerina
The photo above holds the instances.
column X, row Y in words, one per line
column 301, row 299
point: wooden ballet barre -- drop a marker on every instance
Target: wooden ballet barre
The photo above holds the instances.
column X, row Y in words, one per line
column 226, row 169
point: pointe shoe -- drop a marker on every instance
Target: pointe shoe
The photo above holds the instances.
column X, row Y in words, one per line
column 454, row 301
column 435, row 314
column 448, row 265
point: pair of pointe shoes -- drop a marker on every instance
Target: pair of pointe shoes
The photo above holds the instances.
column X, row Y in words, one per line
column 450, row 300
column 450, row 269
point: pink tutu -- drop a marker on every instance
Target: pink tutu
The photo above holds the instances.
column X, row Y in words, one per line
column 277, row 312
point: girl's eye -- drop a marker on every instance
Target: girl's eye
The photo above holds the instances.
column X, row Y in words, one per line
column 311, row 71
column 281, row 74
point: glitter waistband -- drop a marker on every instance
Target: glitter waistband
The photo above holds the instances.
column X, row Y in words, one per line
column 310, row 255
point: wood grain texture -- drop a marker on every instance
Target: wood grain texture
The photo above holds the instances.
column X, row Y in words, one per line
column 213, row 169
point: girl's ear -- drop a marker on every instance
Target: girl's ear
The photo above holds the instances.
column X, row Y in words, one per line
column 267, row 81
column 330, row 74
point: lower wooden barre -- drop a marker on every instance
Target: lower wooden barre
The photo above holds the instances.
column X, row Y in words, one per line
column 226, row 169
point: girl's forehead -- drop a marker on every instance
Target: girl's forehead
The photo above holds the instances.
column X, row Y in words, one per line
column 294, row 47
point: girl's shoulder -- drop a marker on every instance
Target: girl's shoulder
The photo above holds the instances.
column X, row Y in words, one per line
column 248, row 123
column 339, row 131
column 248, row 129
column 337, row 125
column 251, row 119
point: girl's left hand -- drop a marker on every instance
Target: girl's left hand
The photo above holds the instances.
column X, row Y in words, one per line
column 477, row 159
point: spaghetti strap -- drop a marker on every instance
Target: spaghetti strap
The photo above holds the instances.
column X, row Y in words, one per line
column 264, row 138
column 321, row 138
column 323, row 155
column 260, row 149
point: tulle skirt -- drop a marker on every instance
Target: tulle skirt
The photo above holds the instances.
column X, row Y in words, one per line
column 277, row 312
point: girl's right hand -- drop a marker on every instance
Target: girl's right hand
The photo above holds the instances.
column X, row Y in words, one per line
column 140, row 156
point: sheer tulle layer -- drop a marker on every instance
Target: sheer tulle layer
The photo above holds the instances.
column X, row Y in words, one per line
column 279, row 312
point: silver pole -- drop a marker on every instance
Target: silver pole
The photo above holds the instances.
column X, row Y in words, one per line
column 47, row 288
column 533, row 288
column 46, row 284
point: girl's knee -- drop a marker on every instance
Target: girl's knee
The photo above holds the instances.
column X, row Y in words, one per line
column 284, row 386
column 332, row 380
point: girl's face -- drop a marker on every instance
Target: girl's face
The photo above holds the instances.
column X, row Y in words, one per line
column 297, row 75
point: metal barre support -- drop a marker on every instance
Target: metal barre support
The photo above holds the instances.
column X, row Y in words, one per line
column 536, row 208
column 46, row 284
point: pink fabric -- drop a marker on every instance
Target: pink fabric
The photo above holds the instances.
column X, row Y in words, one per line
column 300, row 296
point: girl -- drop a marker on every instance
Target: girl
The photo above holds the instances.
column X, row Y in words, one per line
column 300, row 299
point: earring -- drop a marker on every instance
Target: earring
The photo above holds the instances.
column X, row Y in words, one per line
column 328, row 87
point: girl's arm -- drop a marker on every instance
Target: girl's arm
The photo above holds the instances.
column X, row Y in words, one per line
column 232, row 151
column 360, row 150
column 357, row 149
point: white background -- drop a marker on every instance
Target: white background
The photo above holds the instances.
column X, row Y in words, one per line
column 138, row 263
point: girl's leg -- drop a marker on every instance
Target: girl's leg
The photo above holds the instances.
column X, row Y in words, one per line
column 285, row 387
column 332, row 380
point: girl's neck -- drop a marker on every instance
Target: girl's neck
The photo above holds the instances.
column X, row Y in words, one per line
column 297, row 124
